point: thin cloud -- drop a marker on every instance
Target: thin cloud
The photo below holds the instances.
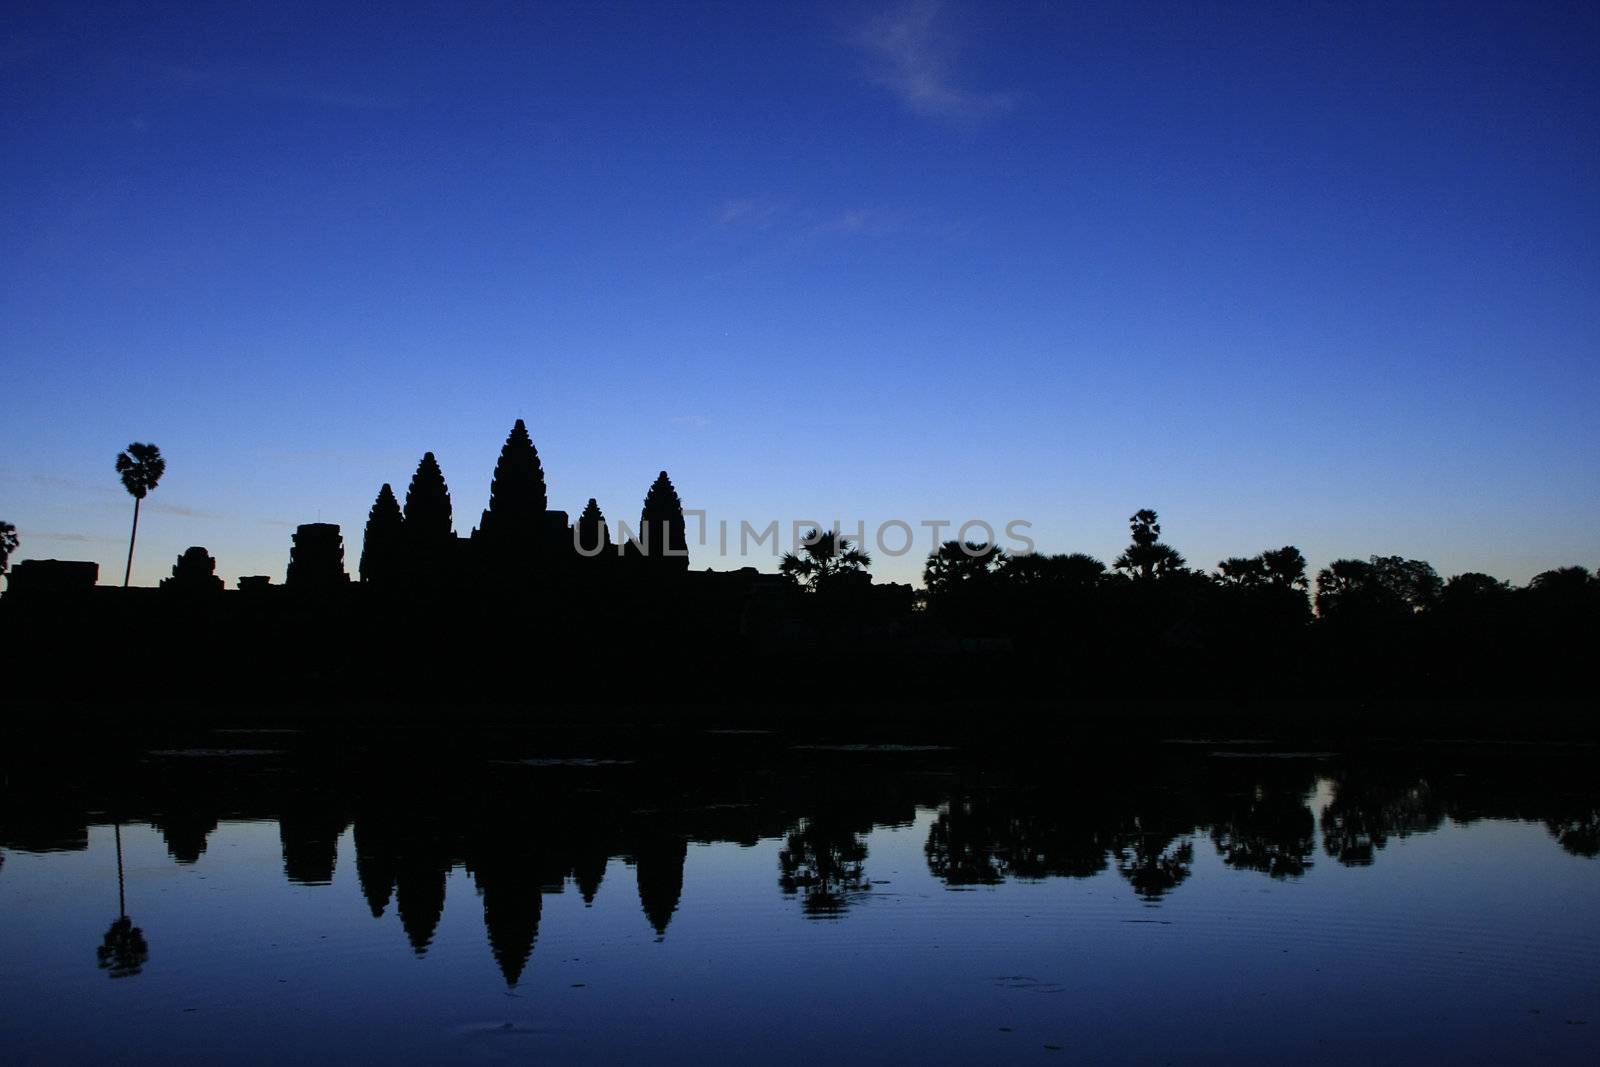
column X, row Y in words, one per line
column 915, row 51
column 48, row 481
column 71, row 538
column 177, row 509
column 693, row 422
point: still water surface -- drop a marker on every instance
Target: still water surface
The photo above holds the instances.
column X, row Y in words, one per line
column 807, row 906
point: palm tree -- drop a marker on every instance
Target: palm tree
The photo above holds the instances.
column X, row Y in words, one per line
column 1148, row 556
column 823, row 556
column 1285, row 566
column 959, row 563
column 141, row 467
column 1073, row 571
column 1240, row 571
column 8, row 544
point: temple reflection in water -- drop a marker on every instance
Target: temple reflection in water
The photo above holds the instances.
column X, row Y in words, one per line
column 524, row 830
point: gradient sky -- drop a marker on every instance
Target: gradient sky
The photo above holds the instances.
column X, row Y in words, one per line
column 1322, row 274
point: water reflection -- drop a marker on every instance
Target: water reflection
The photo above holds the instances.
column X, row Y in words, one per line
column 522, row 832
column 123, row 951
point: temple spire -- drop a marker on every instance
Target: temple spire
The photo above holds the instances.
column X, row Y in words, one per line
column 427, row 514
column 593, row 536
column 518, row 490
column 661, row 527
column 383, row 547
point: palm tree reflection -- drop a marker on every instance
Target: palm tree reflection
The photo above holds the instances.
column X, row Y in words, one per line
column 123, row 952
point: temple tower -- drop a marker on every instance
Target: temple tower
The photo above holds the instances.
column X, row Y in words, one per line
column 383, row 548
column 317, row 559
column 661, row 526
column 518, row 499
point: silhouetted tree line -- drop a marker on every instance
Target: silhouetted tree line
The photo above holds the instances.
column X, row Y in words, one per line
column 1380, row 627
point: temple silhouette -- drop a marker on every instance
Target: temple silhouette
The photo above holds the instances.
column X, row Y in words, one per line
column 533, row 610
column 519, row 538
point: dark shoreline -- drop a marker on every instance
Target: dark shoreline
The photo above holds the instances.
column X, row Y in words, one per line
column 667, row 728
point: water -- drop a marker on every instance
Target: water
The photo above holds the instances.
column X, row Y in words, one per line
column 757, row 902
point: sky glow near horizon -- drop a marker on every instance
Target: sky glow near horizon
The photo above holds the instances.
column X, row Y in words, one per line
column 1323, row 276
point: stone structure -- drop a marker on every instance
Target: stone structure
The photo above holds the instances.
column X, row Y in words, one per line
column 519, row 537
column 52, row 577
column 195, row 572
column 317, row 559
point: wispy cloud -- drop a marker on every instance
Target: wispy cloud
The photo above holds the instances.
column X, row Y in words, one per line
column 71, row 538
column 338, row 456
column 693, row 422
column 178, row 509
column 49, row 481
column 915, row 49
column 110, row 495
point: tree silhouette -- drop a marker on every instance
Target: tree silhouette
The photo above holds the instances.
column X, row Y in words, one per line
column 1285, row 566
column 141, row 468
column 383, row 546
column 1240, row 571
column 1412, row 580
column 1376, row 587
column 957, row 563
column 1563, row 580
column 1147, row 556
column 1073, row 571
column 8, row 544
column 823, row 556
column 1472, row 593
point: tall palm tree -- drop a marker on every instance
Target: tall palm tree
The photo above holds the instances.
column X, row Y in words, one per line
column 1148, row 556
column 823, row 556
column 141, row 467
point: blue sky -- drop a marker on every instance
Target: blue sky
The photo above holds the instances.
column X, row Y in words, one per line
column 1310, row 273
